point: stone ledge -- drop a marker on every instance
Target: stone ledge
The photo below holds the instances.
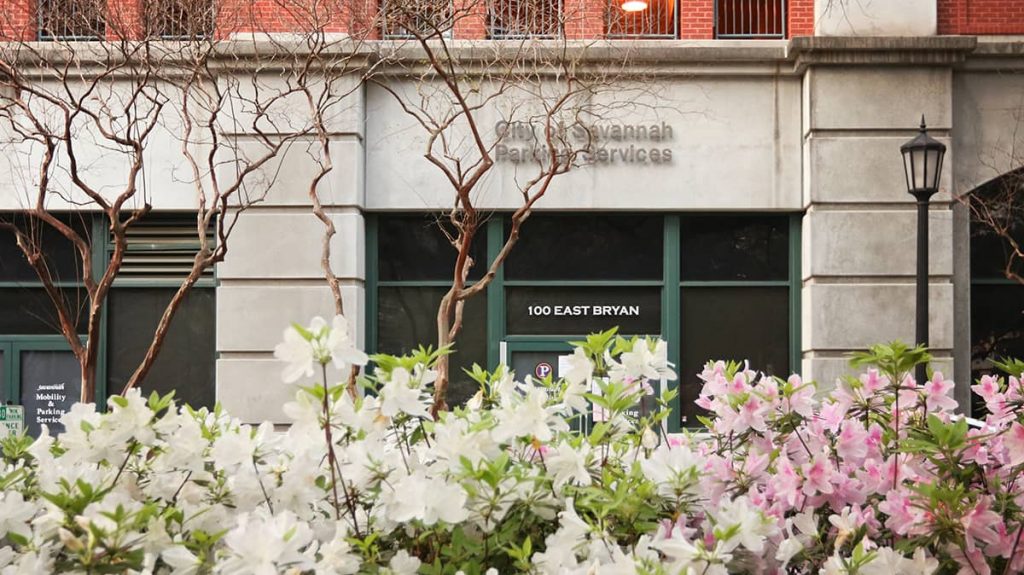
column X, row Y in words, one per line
column 883, row 50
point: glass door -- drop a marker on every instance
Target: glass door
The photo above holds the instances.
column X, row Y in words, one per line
column 539, row 358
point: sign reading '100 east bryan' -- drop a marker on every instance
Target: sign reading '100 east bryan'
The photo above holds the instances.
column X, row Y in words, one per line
column 568, row 310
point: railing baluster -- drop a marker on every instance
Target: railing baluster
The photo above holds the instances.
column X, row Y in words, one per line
column 750, row 18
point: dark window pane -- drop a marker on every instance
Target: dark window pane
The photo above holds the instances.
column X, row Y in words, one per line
column 415, row 247
column 406, row 318
column 186, row 362
column 741, row 323
column 726, row 248
column 996, row 205
column 577, row 311
column 50, row 384
column 60, row 254
column 71, row 19
column 997, row 325
column 990, row 252
column 178, row 18
column 29, row 311
column 588, row 247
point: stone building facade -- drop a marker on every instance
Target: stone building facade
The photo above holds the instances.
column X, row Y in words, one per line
column 778, row 172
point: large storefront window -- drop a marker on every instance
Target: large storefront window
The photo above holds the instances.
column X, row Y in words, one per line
column 413, row 265
column 713, row 286
column 37, row 368
column 997, row 303
column 736, row 287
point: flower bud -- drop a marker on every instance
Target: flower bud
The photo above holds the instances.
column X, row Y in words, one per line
column 69, row 540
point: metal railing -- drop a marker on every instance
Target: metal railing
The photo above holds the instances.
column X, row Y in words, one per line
column 524, row 19
column 175, row 19
column 659, row 20
column 403, row 19
column 71, row 19
column 750, row 19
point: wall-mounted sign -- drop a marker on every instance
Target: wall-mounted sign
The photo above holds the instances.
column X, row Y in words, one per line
column 50, row 385
column 542, row 370
column 12, row 420
column 564, row 310
column 584, row 310
column 599, row 143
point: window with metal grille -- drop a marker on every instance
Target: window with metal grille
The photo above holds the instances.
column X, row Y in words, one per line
column 178, row 18
column 659, row 19
column 524, row 18
column 161, row 248
column 750, row 19
column 401, row 19
column 71, row 19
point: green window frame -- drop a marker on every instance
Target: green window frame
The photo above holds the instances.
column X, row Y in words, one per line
column 11, row 344
column 671, row 286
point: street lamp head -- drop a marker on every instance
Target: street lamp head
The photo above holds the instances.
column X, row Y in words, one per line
column 922, row 162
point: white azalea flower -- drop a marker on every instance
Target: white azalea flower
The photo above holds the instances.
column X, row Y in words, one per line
column 261, row 545
column 15, row 514
column 181, row 560
column 528, row 417
column 325, row 345
column 675, row 470
column 297, row 353
column 567, row 464
column 400, row 394
column 336, row 555
column 581, row 369
column 343, row 350
column 404, row 564
column 752, row 528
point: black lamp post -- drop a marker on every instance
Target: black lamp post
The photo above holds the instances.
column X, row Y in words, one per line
column 922, row 162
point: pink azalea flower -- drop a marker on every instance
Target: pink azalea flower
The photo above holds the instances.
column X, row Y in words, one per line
column 751, row 416
column 908, row 395
column 971, row 563
column 1014, row 389
column 786, row 482
column 980, row 523
column 852, row 441
column 987, row 387
column 937, row 393
column 874, row 440
column 817, row 476
column 1013, row 439
column 872, row 476
column 802, row 400
column 873, row 381
column 903, row 516
column 977, row 451
column 832, row 415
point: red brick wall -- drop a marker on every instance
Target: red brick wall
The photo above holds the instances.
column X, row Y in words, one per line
column 584, row 18
column 696, row 19
column 17, row 20
column 981, row 17
column 801, row 18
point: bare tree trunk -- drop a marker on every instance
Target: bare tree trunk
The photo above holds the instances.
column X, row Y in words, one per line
column 444, row 337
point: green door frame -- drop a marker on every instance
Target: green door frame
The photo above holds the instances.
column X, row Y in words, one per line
column 12, row 347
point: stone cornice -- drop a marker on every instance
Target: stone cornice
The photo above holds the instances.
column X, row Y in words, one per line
column 880, row 51
column 642, row 57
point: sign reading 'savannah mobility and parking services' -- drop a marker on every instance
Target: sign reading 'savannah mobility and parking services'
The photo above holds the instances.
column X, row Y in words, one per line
column 598, row 143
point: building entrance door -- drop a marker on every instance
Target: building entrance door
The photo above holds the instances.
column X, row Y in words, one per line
column 539, row 358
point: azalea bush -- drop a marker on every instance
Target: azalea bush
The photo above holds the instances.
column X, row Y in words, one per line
column 876, row 476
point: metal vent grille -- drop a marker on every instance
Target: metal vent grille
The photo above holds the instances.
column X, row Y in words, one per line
column 161, row 248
